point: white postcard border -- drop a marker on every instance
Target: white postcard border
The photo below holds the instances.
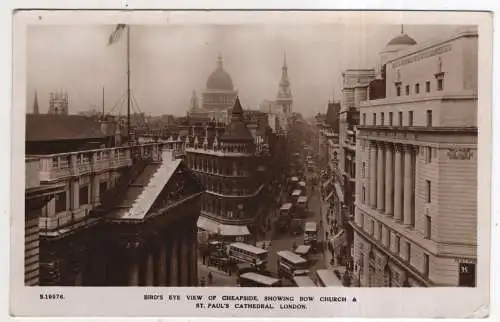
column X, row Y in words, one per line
column 415, row 302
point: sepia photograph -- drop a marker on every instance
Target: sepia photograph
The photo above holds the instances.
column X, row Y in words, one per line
column 208, row 155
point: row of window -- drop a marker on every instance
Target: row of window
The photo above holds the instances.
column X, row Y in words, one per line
column 390, row 122
column 439, row 87
column 406, row 254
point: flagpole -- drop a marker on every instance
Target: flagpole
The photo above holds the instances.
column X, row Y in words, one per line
column 103, row 102
column 128, row 85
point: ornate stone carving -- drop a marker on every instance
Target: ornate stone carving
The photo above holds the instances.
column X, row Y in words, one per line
column 460, row 154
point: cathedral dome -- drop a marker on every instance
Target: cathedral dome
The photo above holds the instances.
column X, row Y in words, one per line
column 220, row 80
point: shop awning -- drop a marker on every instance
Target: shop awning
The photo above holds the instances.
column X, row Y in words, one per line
column 221, row 229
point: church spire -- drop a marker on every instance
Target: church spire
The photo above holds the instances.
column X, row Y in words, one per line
column 35, row 104
column 284, row 98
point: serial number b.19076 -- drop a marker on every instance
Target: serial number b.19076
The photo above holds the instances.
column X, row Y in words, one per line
column 57, row 296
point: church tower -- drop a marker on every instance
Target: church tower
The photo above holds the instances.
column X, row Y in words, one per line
column 284, row 98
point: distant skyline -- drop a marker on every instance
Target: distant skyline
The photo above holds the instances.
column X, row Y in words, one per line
column 169, row 62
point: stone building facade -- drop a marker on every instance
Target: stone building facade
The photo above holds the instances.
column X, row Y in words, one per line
column 416, row 156
column 233, row 173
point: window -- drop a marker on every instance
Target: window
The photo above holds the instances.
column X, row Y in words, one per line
column 428, row 155
column 408, row 251
column 379, row 237
column 417, row 88
column 372, row 226
column 400, row 118
column 382, row 117
column 407, row 90
column 426, row 265
column 390, row 119
column 410, row 118
column 440, row 84
column 363, row 170
column 102, row 187
column 60, row 202
column 398, row 90
column 84, row 195
column 427, row 87
column 396, row 241
column 428, row 227
column 363, row 195
column 428, row 190
column 364, row 118
column 374, row 120
column 429, row 118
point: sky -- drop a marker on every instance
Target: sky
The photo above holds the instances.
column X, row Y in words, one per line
column 168, row 62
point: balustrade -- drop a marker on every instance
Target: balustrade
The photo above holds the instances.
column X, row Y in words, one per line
column 59, row 166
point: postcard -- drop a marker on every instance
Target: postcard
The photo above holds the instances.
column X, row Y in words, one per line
column 251, row 164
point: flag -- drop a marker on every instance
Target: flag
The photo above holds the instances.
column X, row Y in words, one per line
column 115, row 36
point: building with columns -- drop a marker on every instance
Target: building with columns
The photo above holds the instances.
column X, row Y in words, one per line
column 109, row 216
column 116, row 218
column 416, row 157
column 233, row 173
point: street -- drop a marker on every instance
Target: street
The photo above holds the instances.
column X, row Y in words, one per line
column 286, row 240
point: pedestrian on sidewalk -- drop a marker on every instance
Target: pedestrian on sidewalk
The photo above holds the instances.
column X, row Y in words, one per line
column 210, row 277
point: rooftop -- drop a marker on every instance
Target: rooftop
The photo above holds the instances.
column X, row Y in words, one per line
column 50, row 127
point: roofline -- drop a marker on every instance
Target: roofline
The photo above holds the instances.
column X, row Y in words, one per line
column 468, row 32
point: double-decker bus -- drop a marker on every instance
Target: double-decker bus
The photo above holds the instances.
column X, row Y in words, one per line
column 302, row 186
column 302, row 206
column 295, row 195
column 310, row 233
column 302, row 250
column 326, row 278
column 252, row 279
column 245, row 253
column 291, row 264
column 303, row 281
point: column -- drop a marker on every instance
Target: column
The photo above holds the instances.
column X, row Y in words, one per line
column 149, row 269
column 133, row 269
column 385, row 236
column 184, row 258
column 95, row 190
column 194, row 259
column 398, row 183
column 373, row 175
column 407, row 188
column 380, row 176
column 174, row 265
column 162, row 264
column 389, row 181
